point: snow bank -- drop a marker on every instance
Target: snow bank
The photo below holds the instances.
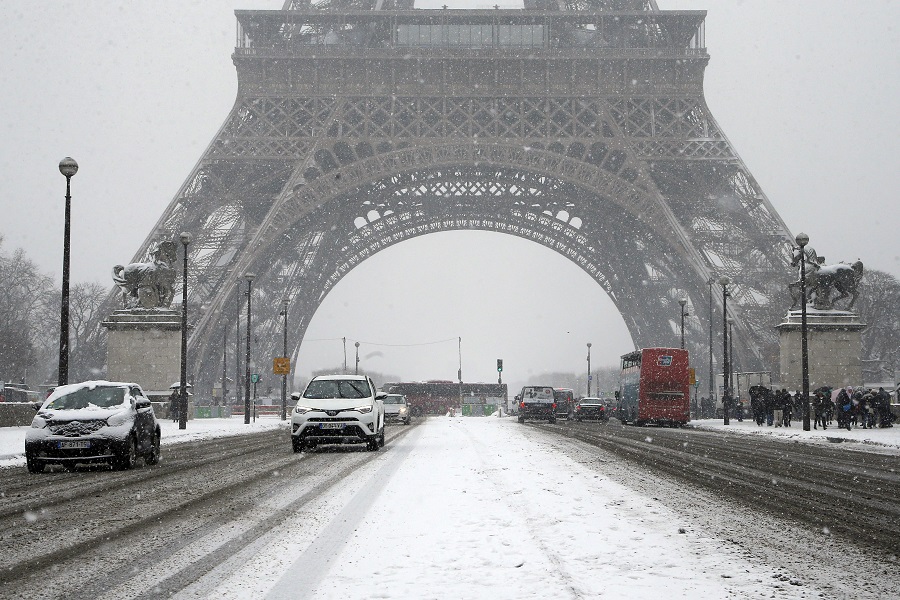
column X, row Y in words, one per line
column 12, row 439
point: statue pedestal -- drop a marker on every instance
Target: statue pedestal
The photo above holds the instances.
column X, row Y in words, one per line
column 834, row 346
column 144, row 347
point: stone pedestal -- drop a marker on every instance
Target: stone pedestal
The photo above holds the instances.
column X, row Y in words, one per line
column 144, row 347
column 834, row 346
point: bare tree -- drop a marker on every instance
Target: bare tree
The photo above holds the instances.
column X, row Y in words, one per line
column 23, row 292
column 879, row 308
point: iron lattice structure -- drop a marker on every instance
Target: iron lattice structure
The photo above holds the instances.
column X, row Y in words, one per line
column 579, row 125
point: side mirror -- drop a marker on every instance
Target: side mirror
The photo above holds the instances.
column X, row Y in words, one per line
column 36, row 406
column 380, row 395
column 142, row 403
column 295, row 395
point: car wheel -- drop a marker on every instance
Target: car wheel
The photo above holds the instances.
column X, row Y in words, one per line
column 34, row 465
column 126, row 459
column 296, row 444
column 552, row 420
column 372, row 443
column 381, row 439
column 152, row 457
column 521, row 419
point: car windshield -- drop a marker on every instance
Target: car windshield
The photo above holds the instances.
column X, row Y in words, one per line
column 391, row 399
column 101, row 397
column 320, row 389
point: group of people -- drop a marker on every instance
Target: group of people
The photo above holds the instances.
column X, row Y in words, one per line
column 859, row 407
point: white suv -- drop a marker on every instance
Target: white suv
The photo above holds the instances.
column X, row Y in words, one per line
column 338, row 409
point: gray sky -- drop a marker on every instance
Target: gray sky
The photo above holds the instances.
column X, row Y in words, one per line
column 807, row 91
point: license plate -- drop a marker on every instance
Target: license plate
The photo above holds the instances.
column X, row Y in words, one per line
column 331, row 425
column 79, row 444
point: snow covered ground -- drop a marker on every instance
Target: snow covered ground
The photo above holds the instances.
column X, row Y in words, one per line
column 883, row 440
column 12, row 439
column 487, row 508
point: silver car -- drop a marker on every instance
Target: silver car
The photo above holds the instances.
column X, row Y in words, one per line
column 396, row 409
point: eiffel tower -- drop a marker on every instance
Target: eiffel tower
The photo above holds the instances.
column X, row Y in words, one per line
column 578, row 124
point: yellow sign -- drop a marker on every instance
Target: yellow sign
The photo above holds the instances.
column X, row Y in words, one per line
column 281, row 366
column 691, row 373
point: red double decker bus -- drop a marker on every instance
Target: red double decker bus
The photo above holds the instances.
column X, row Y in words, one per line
column 655, row 387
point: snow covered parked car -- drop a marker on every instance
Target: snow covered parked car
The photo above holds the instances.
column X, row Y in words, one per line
column 338, row 409
column 396, row 408
column 94, row 421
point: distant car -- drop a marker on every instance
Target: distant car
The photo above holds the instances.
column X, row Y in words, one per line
column 338, row 409
column 396, row 408
column 536, row 402
column 591, row 409
column 565, row 402
column 90, row 422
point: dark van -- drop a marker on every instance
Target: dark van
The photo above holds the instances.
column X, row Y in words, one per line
column 565, row 402
column 537, row 402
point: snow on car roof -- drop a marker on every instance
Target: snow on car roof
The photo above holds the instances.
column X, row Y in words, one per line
column 61, row 390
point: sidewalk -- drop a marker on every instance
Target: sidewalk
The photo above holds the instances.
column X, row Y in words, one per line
column 885, row 440
column 12, row 439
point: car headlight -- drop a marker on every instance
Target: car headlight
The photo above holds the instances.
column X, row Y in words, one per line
column 364, row 409
column 302, row 409
column 403, row 410
column 119, row 419
column 39, row 422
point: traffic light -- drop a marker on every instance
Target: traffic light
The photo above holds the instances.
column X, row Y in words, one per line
column 499, row 365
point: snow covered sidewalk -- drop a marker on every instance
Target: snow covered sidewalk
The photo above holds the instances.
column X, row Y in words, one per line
column 12, row 439
column 883, row 440
column 487, row 508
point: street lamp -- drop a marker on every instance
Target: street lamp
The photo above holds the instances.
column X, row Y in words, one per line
column 249, row 277
column 802, row 240
column 237, row 347
column 712, row 380
column 185, row 238
column 67, row 167
column 356, row 370
column 589, row 369
column 726, row 394
column 684, row 314
column 284, row 312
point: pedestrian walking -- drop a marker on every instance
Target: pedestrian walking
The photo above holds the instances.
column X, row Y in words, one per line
column 779, row 407
column 818, row 410
column 174, row 405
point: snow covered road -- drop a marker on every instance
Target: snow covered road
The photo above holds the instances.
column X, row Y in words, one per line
column 486, row 508
column 452, row 508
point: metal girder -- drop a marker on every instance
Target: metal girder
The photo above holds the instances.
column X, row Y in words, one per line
column 594, row 141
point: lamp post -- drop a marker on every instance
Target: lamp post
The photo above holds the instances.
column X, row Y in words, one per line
column 684, row 314
column 284, row 312
column 712, row 380
column 185, row 238
column 68, row 167
column 356, row 370
column 726, row 394
column 249, row 277
column 224, row 366
column 802, row 240
column 589, row 368
column 237, row 348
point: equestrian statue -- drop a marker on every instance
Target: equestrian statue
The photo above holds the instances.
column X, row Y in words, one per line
column 149, row 284
column 822, row 281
